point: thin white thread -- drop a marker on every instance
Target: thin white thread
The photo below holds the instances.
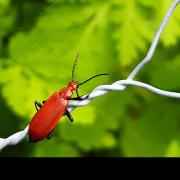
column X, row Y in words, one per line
column 155, row 41
column 14, row 139
column 119, row 86
column 116, row 86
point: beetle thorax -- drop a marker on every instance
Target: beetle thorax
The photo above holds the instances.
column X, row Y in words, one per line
column 66, row 93
column 73, row 85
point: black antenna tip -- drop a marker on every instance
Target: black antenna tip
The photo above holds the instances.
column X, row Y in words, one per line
column 103, row 74
column 108, row 74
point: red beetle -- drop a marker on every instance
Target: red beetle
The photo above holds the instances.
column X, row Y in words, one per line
column 50, row 111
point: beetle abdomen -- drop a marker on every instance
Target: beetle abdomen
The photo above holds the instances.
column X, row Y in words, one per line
column 45, row 120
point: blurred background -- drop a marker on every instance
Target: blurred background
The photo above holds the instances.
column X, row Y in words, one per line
column 38, row 44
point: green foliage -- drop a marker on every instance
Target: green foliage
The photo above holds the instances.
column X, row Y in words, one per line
column 172, row 31
column 7, row 17
column 133, row 28
column 37, row 49
column 151, row 136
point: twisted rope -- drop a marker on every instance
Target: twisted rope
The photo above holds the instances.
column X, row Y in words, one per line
column 119, row 86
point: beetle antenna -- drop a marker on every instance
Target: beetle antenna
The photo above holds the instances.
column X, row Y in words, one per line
column 74, row 66
column 105, row 74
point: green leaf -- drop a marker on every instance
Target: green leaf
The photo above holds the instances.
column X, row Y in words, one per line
column 174, row 149
column 87, row 136
column 20, row 88
column 106, row 121
column 7, row 17
column 164, row 71
column 58, row 43
column 151, row 133
column 51, row 59
column 171, row 33
column 54, row 148
column 132, row 32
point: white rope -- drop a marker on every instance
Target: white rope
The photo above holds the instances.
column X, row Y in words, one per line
column 155, row 41
column 116, row 86
column 14, row 139
column 119, row 86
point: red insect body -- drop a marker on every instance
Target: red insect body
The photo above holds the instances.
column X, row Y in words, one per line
column 47, row 117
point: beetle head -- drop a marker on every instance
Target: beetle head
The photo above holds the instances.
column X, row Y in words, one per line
column 73, row 85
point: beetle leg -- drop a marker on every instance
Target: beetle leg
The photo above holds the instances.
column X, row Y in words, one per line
column 49, row 135
column 77, row 93
column 69, row 115
column 37, row 105
column 76, row 98
column 79, row 98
